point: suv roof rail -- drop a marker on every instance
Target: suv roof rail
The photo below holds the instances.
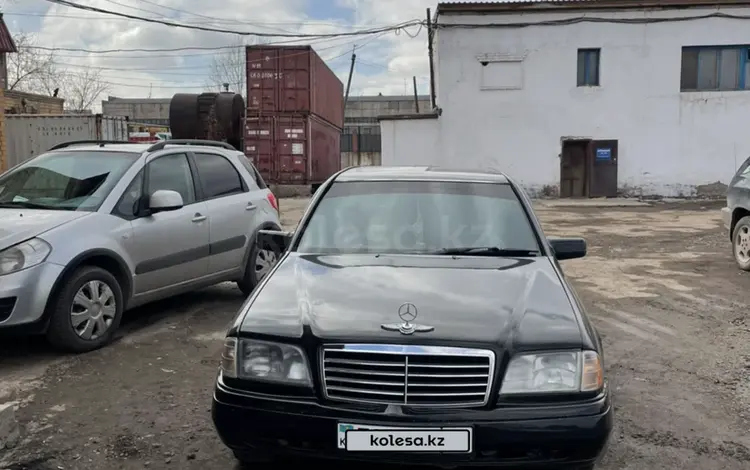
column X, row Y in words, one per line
column 205, row 143
column 84, row 142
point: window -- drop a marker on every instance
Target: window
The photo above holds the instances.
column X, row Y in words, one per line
column 416, row 217
column 722, row 68
column 588, row 67
column 253, row 172
column 172, row 172
column 68, row 180
column 126, row 206
column 218, row 176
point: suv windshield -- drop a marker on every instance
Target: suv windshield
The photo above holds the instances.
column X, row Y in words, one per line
column 475, row 219
column 70, row 180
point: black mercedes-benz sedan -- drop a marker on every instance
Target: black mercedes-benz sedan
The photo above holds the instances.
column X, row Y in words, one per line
column 417, row 315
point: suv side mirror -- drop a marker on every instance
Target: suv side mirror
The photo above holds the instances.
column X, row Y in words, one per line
column 164, row 200
column 568, row 248
column 277, row 240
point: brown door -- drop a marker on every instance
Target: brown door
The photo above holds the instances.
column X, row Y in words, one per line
column 573, row 169
column 603, row 158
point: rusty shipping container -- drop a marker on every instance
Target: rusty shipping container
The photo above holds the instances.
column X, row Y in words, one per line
column 292, row 79
column 293, row 149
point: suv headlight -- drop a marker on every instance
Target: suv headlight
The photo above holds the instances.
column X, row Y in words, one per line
column 24, row 255
column 561, row 372
column 265, row 361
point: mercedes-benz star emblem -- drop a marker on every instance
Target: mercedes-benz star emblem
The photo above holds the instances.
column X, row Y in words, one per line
column 408, row 313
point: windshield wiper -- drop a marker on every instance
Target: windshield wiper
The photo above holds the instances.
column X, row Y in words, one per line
column 25, row 205
column 487, row 251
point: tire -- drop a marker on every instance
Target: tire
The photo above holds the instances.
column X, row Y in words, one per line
column 61, row 332
column 741, row 243
column 252, row 276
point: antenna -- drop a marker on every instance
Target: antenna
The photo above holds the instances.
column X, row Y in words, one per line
column 150, row 90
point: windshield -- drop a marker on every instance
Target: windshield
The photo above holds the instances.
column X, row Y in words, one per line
column 420, row 217
column 76, row 181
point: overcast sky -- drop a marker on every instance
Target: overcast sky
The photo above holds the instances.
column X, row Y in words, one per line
column 385, row 64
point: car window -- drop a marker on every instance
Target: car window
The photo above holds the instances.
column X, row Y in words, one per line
column 172, row 172
column 254, row 172
column 744, row 170
column 416, row 217
column 218, row 176
column 68, row 180
column 126, row 206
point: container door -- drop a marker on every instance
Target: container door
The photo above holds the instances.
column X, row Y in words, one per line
column 259, row 146
column 291, row 149
column 294, row 74
column 262, row 80
column 603, row 181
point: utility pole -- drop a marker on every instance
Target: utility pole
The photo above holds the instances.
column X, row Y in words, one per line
column 430, row 36
column 349, row 81
column 416, row 97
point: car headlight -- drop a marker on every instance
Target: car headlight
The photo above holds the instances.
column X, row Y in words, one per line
column 265, row 361
column 24, row 255
column 561, row 372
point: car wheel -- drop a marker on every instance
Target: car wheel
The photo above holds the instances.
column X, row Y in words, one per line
column 741, row 243
column 87, row 310
column 260, row 262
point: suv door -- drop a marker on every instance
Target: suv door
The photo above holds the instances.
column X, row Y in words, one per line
column 234, row 204
column 170, row 248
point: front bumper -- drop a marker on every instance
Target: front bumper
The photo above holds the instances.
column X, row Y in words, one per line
column 24, row 294
column 546, row 436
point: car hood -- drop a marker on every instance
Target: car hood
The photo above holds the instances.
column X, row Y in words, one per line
column 516, row 303
column 17, row 225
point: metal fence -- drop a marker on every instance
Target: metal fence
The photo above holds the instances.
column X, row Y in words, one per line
column 361, row 139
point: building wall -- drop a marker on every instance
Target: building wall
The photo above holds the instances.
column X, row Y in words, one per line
column 141, row 110
column 17, row 102
column 411, row 142
column 670, row 143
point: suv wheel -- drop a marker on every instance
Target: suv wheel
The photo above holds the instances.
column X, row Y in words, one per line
column 87, row 310
column 260, row 262
column 741, row 243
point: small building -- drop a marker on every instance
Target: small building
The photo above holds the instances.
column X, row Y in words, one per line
column 19, row 102
column 141, row 110
column 587, row 98
column 360, row 140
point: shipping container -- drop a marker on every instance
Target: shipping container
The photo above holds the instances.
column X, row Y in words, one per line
column 293, row 149
column 294, row 80
column 29, row 135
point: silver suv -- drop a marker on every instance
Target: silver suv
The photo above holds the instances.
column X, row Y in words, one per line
column 91, row 229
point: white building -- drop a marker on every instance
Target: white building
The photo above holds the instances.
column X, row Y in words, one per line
column 588, row 98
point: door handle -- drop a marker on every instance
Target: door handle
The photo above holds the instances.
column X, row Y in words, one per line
column 250, row 206
column 199, row 218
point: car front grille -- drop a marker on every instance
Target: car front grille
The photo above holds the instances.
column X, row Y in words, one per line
column 427, row 376
column 6, row 307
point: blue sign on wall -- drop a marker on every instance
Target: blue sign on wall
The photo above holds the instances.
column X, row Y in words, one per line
column 603, row 154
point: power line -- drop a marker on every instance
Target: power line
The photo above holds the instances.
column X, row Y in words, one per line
column 78, row 6
column 265, row 24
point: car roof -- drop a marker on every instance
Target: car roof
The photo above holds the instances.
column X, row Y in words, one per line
column 130, row 147
column 421, row 173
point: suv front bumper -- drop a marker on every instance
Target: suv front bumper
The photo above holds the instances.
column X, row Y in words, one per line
column 24, row 294
column 551, row 436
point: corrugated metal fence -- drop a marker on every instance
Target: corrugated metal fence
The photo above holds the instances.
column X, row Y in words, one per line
column 361, row 139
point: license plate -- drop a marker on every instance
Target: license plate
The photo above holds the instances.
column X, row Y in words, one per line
column 357, row 438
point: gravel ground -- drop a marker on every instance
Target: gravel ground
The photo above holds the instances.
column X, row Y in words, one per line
column 659, row 283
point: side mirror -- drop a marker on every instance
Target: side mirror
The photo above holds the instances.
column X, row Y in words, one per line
column 568, row 248
column 277, row 240
column 164, row 200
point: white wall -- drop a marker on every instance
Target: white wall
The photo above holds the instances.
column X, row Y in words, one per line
column 410, row 142
column 669, row 142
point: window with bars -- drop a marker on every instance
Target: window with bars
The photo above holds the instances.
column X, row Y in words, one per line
column 715, row 68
